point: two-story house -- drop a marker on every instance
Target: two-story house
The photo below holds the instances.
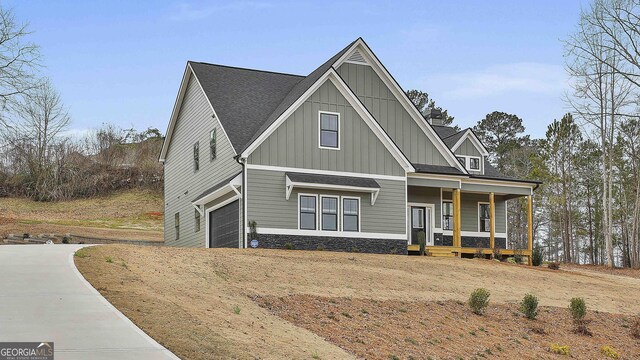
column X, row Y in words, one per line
column 339, row 159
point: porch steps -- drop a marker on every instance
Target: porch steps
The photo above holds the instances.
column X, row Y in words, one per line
column 439, row 252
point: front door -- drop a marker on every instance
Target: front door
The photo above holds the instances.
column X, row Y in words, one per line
column 421, row 221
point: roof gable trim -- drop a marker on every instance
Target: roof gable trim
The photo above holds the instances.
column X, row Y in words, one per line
column 333, row 76
column 188, row 72
column 392, row 84
column 469, row 134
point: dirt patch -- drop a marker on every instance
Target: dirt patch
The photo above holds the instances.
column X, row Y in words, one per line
column 196, row 293
column 135, row 215
column 448, row 330
column 634, row 273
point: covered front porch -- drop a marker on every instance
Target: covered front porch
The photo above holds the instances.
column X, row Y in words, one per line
column 465, row 217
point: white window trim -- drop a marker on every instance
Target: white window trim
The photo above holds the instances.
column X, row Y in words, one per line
column 467, row 162
column 484, row 203
column 342, row 198
column 338, row 207
column 432, row 220
column 317, row 227
column 319, row 130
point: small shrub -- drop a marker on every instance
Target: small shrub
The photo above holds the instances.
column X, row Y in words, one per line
column 109, row 259
column 512, row 261
column 635, row 327
column 479, row 300
column 315, row 355
column 236, row 310
column 288, row 246
column 320, row 248
column 529, row 306
column 559, row 349
column 65, row 239
column 537, row 256
column 478, row 254
column 609, row 352
column 554, row 266
column 578, row 309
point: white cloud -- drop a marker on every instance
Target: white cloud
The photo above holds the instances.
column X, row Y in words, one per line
column 186, row 12
column 535, row 78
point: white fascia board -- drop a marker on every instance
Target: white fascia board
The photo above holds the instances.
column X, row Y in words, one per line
column 382, row 72
column 188, row 72
column 474, row 140
column 353, row 100
column 176, row 110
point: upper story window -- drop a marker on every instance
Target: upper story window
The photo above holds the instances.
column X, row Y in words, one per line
column 329, row 130
column 196, row 156
column 474, row 163
column 307, row 212
column 484, row 217
column 212, row 145
column 447, row 215
column 470, row 162
column 329, row 213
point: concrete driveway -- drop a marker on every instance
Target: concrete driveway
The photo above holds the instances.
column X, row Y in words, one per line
column 43, row 297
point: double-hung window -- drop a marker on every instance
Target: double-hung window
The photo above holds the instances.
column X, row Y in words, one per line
column 308, row 212
column 329, row 130
column 329, row 213
column 447, row 215
column 484, row 218
column 350, row 214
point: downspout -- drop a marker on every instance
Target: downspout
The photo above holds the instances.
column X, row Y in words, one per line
column 243, row 162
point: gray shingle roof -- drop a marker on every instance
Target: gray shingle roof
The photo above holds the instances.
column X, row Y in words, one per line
column 247, row 101
column 491, row 173
column 444, row 131
column 453, row 139
column 333, row 180
column 243, row 98
column 437, row 169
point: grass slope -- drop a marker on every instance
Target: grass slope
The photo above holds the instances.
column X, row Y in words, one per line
column 128, row 215
column 247, row 304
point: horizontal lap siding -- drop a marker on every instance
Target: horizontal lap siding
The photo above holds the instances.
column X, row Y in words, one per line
column 295, row 142
column 181, row 184
column 269, row 208
column 391, row 115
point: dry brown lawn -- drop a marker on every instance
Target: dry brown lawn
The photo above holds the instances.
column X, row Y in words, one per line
column 132, row 215
column 210, row 303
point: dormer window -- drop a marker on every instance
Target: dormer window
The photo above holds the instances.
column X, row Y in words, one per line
column 470, row 162
column 329, row 130
column 474, row 163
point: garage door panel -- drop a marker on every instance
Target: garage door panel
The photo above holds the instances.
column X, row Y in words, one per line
column 223, row 226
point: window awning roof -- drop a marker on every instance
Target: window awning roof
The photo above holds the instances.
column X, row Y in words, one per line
column 332, row 182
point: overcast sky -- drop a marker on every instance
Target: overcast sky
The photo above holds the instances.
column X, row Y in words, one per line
column 121, row 62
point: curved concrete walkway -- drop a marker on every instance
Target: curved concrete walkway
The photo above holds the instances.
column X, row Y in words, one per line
column 43, row 297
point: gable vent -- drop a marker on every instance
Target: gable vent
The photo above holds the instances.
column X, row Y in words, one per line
column 356, row 57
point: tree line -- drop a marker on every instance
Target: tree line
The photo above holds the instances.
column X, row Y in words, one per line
column 588, row 209
column 38, row 158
